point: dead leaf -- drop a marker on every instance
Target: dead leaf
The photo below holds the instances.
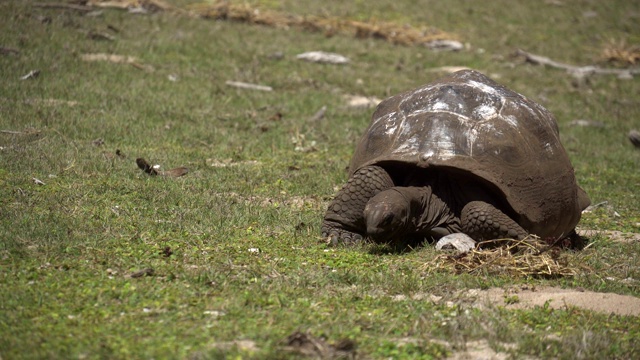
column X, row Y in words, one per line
column 93, row 35
column 166, row 251
column 308, row 345
column 141, row 273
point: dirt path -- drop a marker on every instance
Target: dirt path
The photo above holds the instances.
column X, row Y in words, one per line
column 617, row 236
column 558, row 298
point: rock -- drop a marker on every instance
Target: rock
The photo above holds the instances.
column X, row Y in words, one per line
column 587, row 123
column 634, row 137
column 463, row 243
column 445, row 45
column 323, row 57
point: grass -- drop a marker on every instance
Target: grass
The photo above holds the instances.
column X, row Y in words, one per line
column 67, row 248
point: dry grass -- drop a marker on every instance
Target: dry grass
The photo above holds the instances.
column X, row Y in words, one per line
column 387, row 31
column 528, row 257
column 621, row 53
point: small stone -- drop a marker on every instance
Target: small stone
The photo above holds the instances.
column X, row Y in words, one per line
column 460, row 242
column 634, row 137
column 323, row 57
column 445, row 45
column 587, row 123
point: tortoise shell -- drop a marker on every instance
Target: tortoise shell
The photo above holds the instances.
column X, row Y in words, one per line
column 469, row 124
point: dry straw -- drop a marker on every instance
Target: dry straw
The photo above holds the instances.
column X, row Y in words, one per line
column 621, row 53
column 528, row 257
column 391, row 32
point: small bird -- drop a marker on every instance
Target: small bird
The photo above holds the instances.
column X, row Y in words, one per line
column 153, row 170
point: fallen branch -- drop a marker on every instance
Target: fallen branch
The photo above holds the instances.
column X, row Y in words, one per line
column 577, row 71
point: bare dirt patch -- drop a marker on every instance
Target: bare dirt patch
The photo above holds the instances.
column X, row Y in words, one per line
column 478, row 350
column 557, row 298
column 613, row 235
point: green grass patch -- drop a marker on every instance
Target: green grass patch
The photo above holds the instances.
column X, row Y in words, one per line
column 235, row 250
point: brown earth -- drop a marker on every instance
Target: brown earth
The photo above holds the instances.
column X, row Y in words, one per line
column 613, row 235
column 557, row 298
column 607, row 303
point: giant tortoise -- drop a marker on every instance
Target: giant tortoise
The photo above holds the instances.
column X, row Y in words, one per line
column 462, row 154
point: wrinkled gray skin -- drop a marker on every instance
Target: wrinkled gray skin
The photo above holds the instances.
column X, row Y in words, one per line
column 463, row 154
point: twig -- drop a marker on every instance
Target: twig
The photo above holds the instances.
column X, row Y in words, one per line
column 243, row 85
column 578, row 71
column 143, row 272
column 64, row 6
column 12, row 132
column 318, row 115
column 8, row 51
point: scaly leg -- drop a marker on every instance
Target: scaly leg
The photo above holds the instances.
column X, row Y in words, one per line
column 344, row 221
column 483, row 221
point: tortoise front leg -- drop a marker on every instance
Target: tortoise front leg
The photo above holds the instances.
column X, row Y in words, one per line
column 483, row 221
column 344, row 221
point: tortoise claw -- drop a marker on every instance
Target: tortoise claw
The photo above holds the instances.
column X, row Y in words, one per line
column 335, row 236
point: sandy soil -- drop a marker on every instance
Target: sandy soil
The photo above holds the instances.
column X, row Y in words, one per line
column 618, row 236
column 607, row 303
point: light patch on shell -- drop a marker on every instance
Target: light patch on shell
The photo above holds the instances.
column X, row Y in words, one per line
column 485, row 111
column 427, row 155
column 385, row 118
column 440, row 105
column 472, row 135
column 511, row 120
column 485, row 88
column 390, row 128
column 411, row 145
column 444, row 144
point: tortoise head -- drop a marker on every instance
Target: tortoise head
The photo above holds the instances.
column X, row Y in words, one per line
column 387, row 215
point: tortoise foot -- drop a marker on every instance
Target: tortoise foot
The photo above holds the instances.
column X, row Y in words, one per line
column 335, row 235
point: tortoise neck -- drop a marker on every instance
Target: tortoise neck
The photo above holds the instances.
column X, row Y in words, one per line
column 428, row 209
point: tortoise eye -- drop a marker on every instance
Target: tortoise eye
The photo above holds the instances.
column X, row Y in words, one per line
column 388, row 219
